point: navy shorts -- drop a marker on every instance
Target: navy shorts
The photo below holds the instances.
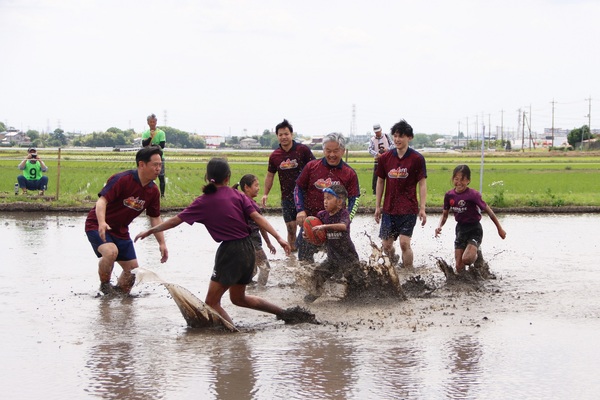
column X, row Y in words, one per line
column 396, row 225
column 125, row 246
column 468, row 234
column 234, row 262
column 288, row 207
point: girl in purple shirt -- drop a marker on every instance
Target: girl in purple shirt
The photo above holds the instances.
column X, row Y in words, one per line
column 225, row 212
column 466, row 204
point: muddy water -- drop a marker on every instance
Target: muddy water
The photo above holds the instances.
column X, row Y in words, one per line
column 532, row 333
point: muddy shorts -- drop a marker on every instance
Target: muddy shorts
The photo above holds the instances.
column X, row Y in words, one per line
column 288, row 208
column 125, row 246
column 234, row 262
column 468, row 234
column 396, row 225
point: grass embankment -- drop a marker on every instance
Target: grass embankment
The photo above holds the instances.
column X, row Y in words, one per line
column 511, row 180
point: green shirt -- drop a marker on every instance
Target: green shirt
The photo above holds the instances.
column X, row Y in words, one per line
column 32, row 171
column 159, row 136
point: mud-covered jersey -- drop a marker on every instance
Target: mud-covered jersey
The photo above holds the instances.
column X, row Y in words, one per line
column 289, row 164
column 466, row 206
column 318, row 175
column 340, row 248
column 126, row 199
column 224, row 213
column 402, row 176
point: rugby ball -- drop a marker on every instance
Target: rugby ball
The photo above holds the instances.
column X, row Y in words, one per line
column 317, row 238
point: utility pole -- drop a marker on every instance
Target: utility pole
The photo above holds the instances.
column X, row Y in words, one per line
column 522, row 132
column 353, row 123
column 467, row 142
column 553, row 121
column 476, row 130
column 458, row 134
column 165, row 117
column 489, row 131
column 589, row 120
column 502, row 127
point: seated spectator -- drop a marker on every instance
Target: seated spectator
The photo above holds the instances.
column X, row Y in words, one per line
column 32, row 178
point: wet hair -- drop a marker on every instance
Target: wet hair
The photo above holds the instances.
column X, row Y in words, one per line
column 146, row 153
column 402, row 128
column 151, row 116
column 335, row 137
column 340, row 192
column 284, row 124
column 217, row 172
column 246, row 181
column 462, row 169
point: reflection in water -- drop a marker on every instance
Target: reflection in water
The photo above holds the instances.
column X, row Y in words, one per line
column 118, row 366
column 463, row 356
column 539, row 340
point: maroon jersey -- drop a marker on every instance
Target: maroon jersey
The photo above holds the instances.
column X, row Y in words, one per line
column 340, row 248
column 465, row 206
column 401, row 178
column 126, row 199
column 289, row 164
column 225, row 213
column 318, row 175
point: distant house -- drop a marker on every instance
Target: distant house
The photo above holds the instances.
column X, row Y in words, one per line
column 15, row 136
column 213, row 141
column 249, row 143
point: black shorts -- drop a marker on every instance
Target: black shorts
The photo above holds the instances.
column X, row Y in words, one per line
column 468, row 234
column 234, row 262
column 288, row 207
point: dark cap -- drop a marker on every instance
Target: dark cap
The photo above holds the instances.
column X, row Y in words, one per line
column 31, row 149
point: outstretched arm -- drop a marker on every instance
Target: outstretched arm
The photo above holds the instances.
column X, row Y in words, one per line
column 160, row 238
column 268, row 185
column 264, row 224
column 168, row 224
column 494, row 219
column 443, row 220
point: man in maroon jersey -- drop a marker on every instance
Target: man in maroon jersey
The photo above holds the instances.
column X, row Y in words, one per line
column 399, row 171
column 288, row 160
column 124, row 197
column 318, row 175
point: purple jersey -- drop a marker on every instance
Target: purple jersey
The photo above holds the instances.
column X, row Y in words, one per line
column 224, row 213
column 402, row 176
column 340, row 248
column 289, row 164
column 318, row 175
column 466, row 206
column 126, row 199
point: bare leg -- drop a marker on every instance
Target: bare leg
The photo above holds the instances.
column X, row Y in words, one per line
column 291, row 234
column 407, row 253
column 470, row 255
column 213, row 299
column 106, row 263
column 388, row 248
column 237, row 294
column 458, row 256
column 127, row 279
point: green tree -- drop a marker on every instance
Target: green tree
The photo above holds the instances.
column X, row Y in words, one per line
column 577, row 135
column 33, row 135
column 2, row 127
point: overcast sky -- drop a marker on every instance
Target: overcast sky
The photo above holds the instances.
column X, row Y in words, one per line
column 230, row 67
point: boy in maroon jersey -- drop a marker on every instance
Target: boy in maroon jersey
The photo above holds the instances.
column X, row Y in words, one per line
column 400, row 171
column 122, row 199
column 288, row 160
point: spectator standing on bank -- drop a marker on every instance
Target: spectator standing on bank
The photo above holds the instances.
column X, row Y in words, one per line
column 156, row 137
column 379, row 144
column 32, row 178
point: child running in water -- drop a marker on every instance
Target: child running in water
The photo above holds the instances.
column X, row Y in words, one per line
column 250, row 186
column 225, row 211
column 340, row 250
column 466, row 204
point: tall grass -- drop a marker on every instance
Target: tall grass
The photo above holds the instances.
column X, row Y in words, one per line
column 532, row 182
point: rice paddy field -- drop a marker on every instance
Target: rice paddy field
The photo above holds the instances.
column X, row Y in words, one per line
column 528, row 179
